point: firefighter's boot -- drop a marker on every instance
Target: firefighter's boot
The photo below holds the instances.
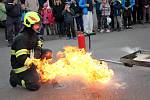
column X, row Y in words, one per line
column 13, row 79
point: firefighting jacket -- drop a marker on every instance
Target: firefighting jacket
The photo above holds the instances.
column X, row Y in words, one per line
column 23, row 46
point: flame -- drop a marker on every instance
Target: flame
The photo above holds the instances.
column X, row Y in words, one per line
column 74, row 62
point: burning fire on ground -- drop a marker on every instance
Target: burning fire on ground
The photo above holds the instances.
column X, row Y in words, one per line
column 73, row 61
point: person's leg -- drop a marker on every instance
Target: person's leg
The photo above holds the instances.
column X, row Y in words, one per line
column 134, row 14
column 68, row 30
column 78, row 23
column 129, row 20
column 62, row 28
column 85, row 23
column 47, row 28
column 6, row 37
column 13, row 79
column 149, row 14
column 124, row 20
column 119, row 22
column 90, row 21
column 51, row 26
column 98, row 20
column 115, row 23
column 58, row 28
column 30, row 79
column 73, row 30
column 105, row 22
column 9, row 25
column 17, row 26
column 81, row 23
column 102, row 23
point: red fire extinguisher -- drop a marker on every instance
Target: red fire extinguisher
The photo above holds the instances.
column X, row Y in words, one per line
column 81, row 40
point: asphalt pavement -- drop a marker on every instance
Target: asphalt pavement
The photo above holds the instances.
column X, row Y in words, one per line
column 127, row 83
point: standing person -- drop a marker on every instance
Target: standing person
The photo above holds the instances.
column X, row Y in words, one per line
column 146, row 11
column 78, row 15
column 13, row 11
column 48, row 19
column 59, row 18
column 117, row 15
column 105, row 9
column 32, row 5
column 52, row 23
column 127, row 12
column 98, row 13
column 25, row 47
column 87, row 9
column 134, row 14
column 69, row 21
column 45, row 21
column 140, row 11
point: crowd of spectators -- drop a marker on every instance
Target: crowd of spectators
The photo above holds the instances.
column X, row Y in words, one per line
column 60, row 16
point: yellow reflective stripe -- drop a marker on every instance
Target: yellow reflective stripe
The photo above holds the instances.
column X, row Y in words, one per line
column 12, row 52
column 21, row 69
column 21, row 52
column 23, row 83
column 27, row 61
column 40, row 43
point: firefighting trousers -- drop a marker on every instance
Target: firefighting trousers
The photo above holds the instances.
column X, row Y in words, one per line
column 28, row 79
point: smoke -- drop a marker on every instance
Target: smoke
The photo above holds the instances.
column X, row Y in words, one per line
column 130, row 50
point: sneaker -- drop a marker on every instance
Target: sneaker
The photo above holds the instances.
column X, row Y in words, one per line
column 102, row 30
column 107, row 31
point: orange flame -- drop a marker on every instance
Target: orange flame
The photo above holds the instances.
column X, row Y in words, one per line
column 74, row 62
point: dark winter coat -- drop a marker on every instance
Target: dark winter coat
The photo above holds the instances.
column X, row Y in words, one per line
column 13, row 10
column 57, row 11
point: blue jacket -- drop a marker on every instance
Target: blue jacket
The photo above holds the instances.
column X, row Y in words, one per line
column 117, row 6
column 132, row 3
column 82, row 4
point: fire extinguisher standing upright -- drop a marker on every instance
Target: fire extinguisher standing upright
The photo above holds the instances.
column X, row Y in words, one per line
column 81, row 40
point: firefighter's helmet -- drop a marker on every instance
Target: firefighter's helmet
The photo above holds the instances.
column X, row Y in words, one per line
column 33, row 20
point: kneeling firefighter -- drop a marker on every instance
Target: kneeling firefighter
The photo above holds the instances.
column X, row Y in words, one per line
column 27, row 45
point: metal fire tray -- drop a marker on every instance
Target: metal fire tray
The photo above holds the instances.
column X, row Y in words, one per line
column 139, row 58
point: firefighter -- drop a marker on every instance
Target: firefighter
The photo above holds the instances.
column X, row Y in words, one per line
column 26, row 45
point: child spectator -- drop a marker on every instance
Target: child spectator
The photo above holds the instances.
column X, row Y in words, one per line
column 105, row 9
column 48, row 19
column 117, row 15
column 51, row 20
column 68, row 14
column 45, row 15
